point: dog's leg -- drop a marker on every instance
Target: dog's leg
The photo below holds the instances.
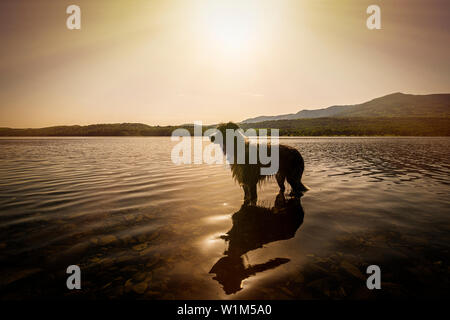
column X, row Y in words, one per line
column 297, row 186
column 247, row 196
column 280, row 179
column 280, row 201
column 253, row 194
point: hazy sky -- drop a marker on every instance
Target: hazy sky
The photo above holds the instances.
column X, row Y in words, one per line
column 173, row 62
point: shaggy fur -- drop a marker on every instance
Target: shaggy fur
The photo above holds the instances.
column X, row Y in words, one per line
column 291, row 166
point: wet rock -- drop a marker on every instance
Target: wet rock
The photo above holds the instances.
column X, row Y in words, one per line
column 106, row 285
column 17, row 275
column 122, row 258
column 153, row 236
column 320, row 285
column 146, row 251
column 140, row 276
column 128, row 217
column 140, row 288
column 342, row 292
column 95, row 260
column 287, row 291
column 140, row 247
column 128, row 285
column 353, row 270
column 107, row 262
column 105, row 240
column 78, row 249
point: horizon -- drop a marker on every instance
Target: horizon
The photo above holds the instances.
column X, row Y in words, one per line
column 162, row 63
column 211, row 124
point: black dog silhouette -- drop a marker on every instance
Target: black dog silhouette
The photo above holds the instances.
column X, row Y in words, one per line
column 248, row 175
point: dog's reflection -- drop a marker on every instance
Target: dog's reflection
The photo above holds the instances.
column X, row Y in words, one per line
column 254, row 226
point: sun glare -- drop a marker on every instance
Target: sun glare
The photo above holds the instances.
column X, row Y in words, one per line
column 233, row 32
column 233, row 27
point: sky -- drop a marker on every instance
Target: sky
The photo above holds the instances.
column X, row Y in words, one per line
column 163, row 62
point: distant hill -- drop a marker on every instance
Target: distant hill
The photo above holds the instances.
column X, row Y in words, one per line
column 357, row 126
column 393, row 105
column 116, row 129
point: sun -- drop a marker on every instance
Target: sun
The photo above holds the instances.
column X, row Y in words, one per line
column 232, row 27
column 233, row 31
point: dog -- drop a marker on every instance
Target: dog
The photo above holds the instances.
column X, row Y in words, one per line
column 248, row 175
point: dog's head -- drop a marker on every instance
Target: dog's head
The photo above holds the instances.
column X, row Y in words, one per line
column 222, row 128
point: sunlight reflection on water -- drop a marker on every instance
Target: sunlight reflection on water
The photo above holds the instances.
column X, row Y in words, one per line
column 121, row 210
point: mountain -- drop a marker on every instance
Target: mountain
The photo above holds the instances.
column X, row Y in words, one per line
column 393, row 105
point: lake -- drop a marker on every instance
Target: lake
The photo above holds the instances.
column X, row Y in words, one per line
column 141, row 227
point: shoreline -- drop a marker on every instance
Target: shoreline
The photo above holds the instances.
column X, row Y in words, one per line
column 281, row 137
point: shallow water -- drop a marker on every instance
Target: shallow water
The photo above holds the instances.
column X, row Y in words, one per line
column 141, row 227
